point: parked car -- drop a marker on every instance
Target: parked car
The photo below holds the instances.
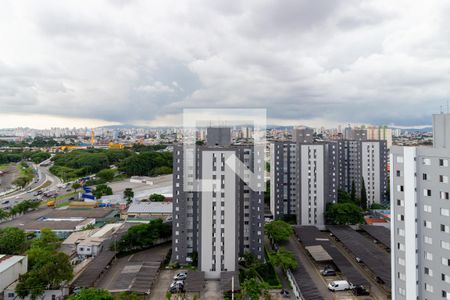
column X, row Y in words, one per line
column 180, row 276
column 176, row 286
column 360, row 290
column 328, row 272
column 284, row 293
column 339, row 285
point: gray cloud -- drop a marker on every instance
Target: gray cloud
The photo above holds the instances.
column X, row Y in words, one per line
column 369, row 61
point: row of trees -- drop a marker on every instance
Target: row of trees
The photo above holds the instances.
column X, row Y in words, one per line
column 16, row 156
column 18, row 209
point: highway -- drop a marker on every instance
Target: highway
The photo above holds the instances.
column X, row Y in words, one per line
column 43, row 175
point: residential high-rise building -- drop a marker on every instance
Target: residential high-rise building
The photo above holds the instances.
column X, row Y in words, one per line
column 420, row 207
column 363, row 160
column 303, row 177
column 380, row 133
column 219, row 224
column 306, row 174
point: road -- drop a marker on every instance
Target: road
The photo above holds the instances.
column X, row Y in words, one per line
column 43, row 175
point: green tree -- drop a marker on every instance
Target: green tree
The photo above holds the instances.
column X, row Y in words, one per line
column 279, row 230
column 48, row 269
column 157, row 198
column 128, row 194
column 283, row 259
column 343, row 197
column 76, row 185
column 106, row 174
column 102, row 189
column 13, row 241
column 253, row 289
column 92, row 294
column 344, row 214
column 47, row 240
column 353, row 193
column 39, row 157
column 363, row 195
column 143, row 235
column 3, row 214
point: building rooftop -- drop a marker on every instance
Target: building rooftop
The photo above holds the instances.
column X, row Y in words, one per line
column 7, row 261
column 65, row 224
column 100, row 212
column 151, row 207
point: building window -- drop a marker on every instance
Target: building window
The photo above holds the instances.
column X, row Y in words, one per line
column 427, row 208
column 428, row 288
column 427, row 224
column 445, row 294
column 428, row 256
column 445, row 261
column 445, row 212
column 427, row 192
column 443, row 162
column 401, row 291
column 445, row 245
column 428, row 240
column 427, row 162
column 445, row 278
column 444, row 195
column 424, row 176
column 428, row 271
column 445, row 228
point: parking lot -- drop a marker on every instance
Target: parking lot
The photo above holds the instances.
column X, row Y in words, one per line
column 320, row 251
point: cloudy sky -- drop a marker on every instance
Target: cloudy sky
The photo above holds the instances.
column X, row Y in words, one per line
column 312, row 62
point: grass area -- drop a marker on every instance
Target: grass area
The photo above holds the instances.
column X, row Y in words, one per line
column 62, row 204
column 4, row 167
column 60, row 197
column 46, row 184
column 26, row 175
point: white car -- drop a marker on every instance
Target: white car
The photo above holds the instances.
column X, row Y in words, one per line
column 180, row 276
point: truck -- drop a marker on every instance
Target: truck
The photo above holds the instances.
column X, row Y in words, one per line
column 339, row 285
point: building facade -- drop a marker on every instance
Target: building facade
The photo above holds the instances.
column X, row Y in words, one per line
column 305, row 174
column 420, row 228
column 364, row 160
column 222, row 223
column 303, row 178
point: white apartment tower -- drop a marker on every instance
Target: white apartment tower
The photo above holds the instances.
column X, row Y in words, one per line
column 420, row 207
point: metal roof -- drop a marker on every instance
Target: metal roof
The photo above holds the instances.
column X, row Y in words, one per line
column 195, row 281
column 225, row 281
column 151, row 207
column 7, row 261
column 94, row 269
column 318, row 253
column 377, row 260
column 304, row 281
column 310, row 236
column 380, row 233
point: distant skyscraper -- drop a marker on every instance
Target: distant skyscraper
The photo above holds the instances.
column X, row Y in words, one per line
column 420, row 208
column 222, row 224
